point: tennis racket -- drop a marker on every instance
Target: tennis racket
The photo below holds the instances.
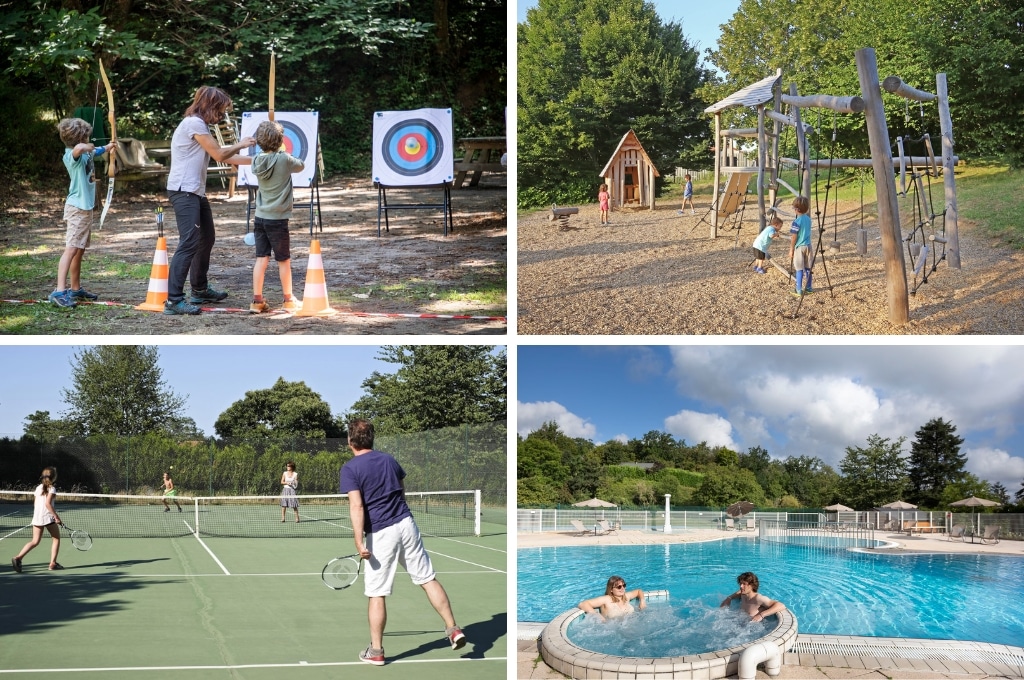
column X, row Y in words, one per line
column 342, row 572
column 80, row 539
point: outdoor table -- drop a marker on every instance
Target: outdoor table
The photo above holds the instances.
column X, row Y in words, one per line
column 483, row 154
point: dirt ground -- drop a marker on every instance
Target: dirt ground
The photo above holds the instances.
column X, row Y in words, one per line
column 394, row 279
column 660, row 273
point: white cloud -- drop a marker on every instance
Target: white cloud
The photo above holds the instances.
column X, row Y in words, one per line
column 530, row 416
column 996, row 465
column 621, row 438
column 701, row 427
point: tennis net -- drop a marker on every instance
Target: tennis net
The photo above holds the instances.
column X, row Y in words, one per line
column 437, row 513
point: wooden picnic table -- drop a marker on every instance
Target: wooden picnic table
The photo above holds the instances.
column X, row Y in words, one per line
column 482, row 154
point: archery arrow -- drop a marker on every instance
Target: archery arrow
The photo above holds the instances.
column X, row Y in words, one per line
column 273, row 71
column 113, row 137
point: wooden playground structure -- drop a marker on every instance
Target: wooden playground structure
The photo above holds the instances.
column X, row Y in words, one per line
column 784, row 110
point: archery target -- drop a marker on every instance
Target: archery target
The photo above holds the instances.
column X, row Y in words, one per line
column 412, row 147
column 300, row 140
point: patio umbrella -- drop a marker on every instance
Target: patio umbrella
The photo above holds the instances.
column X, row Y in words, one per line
column 838, row 507
column 899, row 505
column 594, row 503
column 973, row 503
column 739, row 508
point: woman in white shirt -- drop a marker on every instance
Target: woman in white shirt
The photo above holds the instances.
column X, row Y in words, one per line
column 44, row 516
column 289, row 483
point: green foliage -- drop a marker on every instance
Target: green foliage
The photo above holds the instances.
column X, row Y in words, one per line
column 435, row 386
column 683, row 477
column 288, row 409
column 623, row 472
column 874, row 475
column 723, row 486
column 536, row 457
column 119, row 389
column 589, row 71
column 968, row 485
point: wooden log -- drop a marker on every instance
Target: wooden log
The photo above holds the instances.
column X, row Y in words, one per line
column 788, row 120
column 938, row 239
column 903, row 167
column 862, row 162
column 802, row 147
column 740, row 132
column 825, row 101
column 862, row 241
column 885, row 188
column 895, row 85
column 948, row 180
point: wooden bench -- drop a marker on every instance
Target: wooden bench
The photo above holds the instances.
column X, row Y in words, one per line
column 482, row 154
column 924, row 527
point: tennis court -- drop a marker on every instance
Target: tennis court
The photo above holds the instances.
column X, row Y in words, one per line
column 222, row 606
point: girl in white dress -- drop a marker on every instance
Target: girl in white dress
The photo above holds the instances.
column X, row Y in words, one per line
column 289, row 483
column 44, row 516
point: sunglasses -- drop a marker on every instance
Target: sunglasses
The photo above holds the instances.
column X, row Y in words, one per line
column 621, row 585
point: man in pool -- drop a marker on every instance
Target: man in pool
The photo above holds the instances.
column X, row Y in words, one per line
column 756, row 605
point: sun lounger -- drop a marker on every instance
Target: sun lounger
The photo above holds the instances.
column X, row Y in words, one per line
column 578, row 526
column 991, row 534
column 956, row 533
column 605, row 527
column 730, row 524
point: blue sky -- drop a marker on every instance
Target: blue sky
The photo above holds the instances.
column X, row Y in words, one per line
column 700, row 20
column 213, row 376
column 792, row 400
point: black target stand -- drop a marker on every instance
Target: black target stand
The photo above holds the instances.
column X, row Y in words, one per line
column 445, row 205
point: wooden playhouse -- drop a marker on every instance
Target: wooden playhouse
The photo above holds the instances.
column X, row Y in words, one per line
column 630, row 174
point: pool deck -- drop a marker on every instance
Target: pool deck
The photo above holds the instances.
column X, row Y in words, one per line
column 822, row 656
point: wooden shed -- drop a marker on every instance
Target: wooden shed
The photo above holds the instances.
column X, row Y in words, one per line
column 630, row 174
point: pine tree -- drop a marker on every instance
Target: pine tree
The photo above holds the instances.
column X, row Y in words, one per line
column 935, row 461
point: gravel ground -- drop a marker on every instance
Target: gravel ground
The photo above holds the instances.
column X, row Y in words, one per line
column 660, row 273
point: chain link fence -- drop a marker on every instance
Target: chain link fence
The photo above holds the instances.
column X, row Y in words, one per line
column 449, row 459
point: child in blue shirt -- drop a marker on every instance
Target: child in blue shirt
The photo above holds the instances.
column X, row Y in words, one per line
column 800, row 246
column 763, row 242
column 79, row 156
column 687, row 195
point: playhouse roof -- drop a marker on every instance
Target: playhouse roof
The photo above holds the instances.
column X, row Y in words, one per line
column 628, row 141
column 752, row 95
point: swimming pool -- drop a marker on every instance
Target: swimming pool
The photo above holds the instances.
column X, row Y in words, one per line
column 931, row 596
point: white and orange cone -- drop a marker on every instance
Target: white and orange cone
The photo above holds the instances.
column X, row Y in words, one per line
column 156, row 296
column 314, row 299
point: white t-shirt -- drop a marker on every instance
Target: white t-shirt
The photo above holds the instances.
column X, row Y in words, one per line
column 189, row 160
column 40, row 515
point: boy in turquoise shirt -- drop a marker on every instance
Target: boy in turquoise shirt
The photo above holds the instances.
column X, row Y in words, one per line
column 273, row 168
column 800, row 246
column 79, row 155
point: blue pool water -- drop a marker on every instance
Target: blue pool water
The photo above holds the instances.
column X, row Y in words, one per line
column 840, row 592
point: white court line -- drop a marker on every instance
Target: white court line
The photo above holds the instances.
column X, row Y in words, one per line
column 219, row 563
column 14, row 532
column 299, row 664
column 455, row 540
column 482, row 566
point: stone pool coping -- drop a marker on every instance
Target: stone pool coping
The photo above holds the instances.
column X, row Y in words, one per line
column 574, row 661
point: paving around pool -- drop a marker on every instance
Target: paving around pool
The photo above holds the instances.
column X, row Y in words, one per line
column 808, row 656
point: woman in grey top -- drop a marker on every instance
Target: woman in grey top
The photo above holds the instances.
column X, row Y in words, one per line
column 192, row 146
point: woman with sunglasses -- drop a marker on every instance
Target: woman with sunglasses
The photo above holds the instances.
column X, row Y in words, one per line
column 615, row 602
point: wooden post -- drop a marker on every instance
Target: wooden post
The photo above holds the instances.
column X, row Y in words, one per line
column 773, row 186
column 650, row 182
column 718, row 170
column 761, row 162
column 885, row 188
column 801, row 142
column 948, row 181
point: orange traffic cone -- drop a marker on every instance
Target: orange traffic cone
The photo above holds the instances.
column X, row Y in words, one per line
column 156, row 296
column 314, row 299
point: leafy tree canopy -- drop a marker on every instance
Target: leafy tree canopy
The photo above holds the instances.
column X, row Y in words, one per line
column 119, row 389
column 874, row 475
column 288, row 409
column 935, row 461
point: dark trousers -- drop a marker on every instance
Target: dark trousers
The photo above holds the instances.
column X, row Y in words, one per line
column 196, row 237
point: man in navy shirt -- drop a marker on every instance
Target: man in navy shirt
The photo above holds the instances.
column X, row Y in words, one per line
column 373, row 481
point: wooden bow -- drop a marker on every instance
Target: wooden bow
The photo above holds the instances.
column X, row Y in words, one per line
column 112, row 159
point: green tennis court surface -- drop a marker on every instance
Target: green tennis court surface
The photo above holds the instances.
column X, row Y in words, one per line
column 246, row 608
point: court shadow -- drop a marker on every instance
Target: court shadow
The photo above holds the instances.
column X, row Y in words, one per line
column 481, row 636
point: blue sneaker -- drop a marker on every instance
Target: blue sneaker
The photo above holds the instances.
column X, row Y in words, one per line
column 209, row 295
column 62, row 298
column 180, row 307
column 758, row 270
column 83, row 294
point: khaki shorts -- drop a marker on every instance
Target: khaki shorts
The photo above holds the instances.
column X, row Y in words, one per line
column 397, row 544
column 802, row 258
column 79, row 222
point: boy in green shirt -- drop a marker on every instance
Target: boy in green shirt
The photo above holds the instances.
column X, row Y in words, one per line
column 79, row 156
column 273, row 168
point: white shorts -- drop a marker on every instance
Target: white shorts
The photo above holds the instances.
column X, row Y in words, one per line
column 397, row 544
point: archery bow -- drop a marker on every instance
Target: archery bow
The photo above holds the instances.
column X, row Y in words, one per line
column 113, row 137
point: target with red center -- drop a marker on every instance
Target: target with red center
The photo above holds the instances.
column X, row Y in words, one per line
column 299, row 138
column 412, row 147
